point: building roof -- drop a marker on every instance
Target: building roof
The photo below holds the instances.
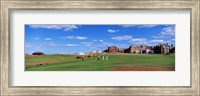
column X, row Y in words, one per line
column 38, row 53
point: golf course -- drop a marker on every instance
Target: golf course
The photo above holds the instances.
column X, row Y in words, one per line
column 106, row 62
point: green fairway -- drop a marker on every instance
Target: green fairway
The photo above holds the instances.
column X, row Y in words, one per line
column 71, row 63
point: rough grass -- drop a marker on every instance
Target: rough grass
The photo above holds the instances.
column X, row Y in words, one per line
column 70, row 63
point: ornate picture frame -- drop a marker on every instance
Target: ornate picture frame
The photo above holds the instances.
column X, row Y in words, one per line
column 8, row 5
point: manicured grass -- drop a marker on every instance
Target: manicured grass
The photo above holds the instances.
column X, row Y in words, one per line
column 70, row 63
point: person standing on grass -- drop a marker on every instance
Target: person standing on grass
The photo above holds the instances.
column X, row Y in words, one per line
column 98, row 57
column 106, row 57
column 82, row 58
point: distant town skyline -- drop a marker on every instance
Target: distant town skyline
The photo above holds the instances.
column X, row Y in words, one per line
column 68, row 39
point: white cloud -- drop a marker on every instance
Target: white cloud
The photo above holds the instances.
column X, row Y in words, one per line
column 171, row 41
column 75, row 37
column 49, row 44
column 52, row 44
column 68, row 37
column 81, row 38
column 32, row 46
column 87, row 43
column 71, row 45
column 36, row 38
column 156, row 41
column 126, row 26
column 166, row 32
column 143, row 41
column 103, row 44
column 56, row 44
column 100, row 40
column 47, row 39
column 52, row 26
column 112, row 31
column 138, row 41
column 46, row 44
column 120, row 38
column 146, row 26
column 140, row 26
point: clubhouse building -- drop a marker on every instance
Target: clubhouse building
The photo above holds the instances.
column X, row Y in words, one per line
column 143, row 49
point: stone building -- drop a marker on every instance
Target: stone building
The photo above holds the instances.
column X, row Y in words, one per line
column 122, row 50
column 37, row 53
column 112, row 49
column 143, row 49
column 137, row 49
column 165, row 49
column 132, row 49
column 97, row 51
column 162, row 49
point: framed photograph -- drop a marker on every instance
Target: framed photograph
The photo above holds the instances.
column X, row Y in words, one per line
column 112, row 47
column 101, row 48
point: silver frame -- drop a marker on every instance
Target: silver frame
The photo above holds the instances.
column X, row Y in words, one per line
column 8, row 5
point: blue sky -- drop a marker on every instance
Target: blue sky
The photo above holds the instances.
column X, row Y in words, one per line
column 65, row 39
